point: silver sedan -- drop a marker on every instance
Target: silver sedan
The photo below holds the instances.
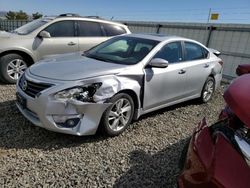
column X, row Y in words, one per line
column 117, row 81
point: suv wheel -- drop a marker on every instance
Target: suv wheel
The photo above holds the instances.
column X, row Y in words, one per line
column 119, row 115
column 11, row 67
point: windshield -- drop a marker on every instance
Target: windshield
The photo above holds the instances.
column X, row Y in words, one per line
column 122, row 50
column 31, row 26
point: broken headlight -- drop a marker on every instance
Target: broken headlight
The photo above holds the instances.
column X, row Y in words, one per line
column 82, row 93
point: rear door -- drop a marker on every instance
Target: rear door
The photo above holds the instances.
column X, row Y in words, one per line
column 198, row 67
column 90, row 34
column 63, row 39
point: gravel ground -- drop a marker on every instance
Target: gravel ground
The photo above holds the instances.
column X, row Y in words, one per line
column 145, row 155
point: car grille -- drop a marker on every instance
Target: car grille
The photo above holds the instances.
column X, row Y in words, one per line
column 32, row 88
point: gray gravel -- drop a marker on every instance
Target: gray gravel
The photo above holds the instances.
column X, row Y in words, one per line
column 146, row 155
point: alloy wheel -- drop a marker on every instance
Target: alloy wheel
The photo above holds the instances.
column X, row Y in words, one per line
column 119, row 114
column 208, row 91
column 15, row 68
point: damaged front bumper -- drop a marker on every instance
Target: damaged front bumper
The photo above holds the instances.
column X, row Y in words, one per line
column 69, row 117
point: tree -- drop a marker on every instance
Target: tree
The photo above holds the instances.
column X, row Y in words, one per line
column 36, row 15
column 22, row 15
column 11, row 15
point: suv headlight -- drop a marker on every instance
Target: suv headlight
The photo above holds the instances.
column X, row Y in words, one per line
column 82, row 93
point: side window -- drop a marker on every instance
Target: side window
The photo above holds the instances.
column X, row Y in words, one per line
column 61, row 29
column 172, row 52
column 89, row 29
column 194, row 51
column 112, row 30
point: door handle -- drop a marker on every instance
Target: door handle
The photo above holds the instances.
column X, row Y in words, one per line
column 182, row 71
column 71, row 43
column 206, row 65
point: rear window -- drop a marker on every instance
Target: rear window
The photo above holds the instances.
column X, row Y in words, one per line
column 195, row 51
column 89, row 29
column 112, row 30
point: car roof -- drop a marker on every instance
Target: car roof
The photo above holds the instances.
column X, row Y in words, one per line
column 238, row 99
column 87, row 18
column 157, row 37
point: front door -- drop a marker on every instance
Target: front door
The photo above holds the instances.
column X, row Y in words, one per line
column 165, row 85
column 63, row 39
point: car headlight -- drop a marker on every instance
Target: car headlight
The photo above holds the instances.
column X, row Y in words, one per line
column 82, row 93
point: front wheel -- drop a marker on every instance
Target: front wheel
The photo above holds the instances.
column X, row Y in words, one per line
column 11, row 67
column 119, row 115
column 208, row 90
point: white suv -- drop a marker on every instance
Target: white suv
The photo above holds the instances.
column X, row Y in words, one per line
column 51, row 35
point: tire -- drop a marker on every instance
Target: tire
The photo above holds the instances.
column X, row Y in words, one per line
column 11, row 67
column 208, row 90
column 114, row 121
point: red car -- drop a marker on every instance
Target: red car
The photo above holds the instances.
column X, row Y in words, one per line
column 243, row 69
column 218, row 156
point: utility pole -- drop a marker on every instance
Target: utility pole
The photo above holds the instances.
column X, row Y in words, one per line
column 209, row 28
column 209, row 14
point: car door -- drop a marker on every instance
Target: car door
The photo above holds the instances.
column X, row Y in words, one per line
column 165, row 85
column 90, row 34
column 63, row 39
column 198, row 67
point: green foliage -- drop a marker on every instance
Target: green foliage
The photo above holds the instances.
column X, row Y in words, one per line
column 11, row 15
column 36, row 15
column 17, row 15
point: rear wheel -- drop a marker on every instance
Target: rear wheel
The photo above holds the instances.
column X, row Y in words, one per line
column 119, row 115
column 208, row 90
column 11, row 67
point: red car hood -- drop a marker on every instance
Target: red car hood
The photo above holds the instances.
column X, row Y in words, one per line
column 237, row 96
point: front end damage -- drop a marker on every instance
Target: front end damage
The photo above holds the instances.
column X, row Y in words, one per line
column 66, row 109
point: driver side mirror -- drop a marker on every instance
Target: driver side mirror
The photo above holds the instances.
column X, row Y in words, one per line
column 44, row 34
column 158, row 63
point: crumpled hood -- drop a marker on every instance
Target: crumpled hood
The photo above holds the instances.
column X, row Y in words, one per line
column 73, row 66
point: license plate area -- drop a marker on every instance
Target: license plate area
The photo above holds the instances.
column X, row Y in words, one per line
column 21, row 100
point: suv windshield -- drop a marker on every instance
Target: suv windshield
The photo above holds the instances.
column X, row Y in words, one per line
column 122, row 50
column 31, row 26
